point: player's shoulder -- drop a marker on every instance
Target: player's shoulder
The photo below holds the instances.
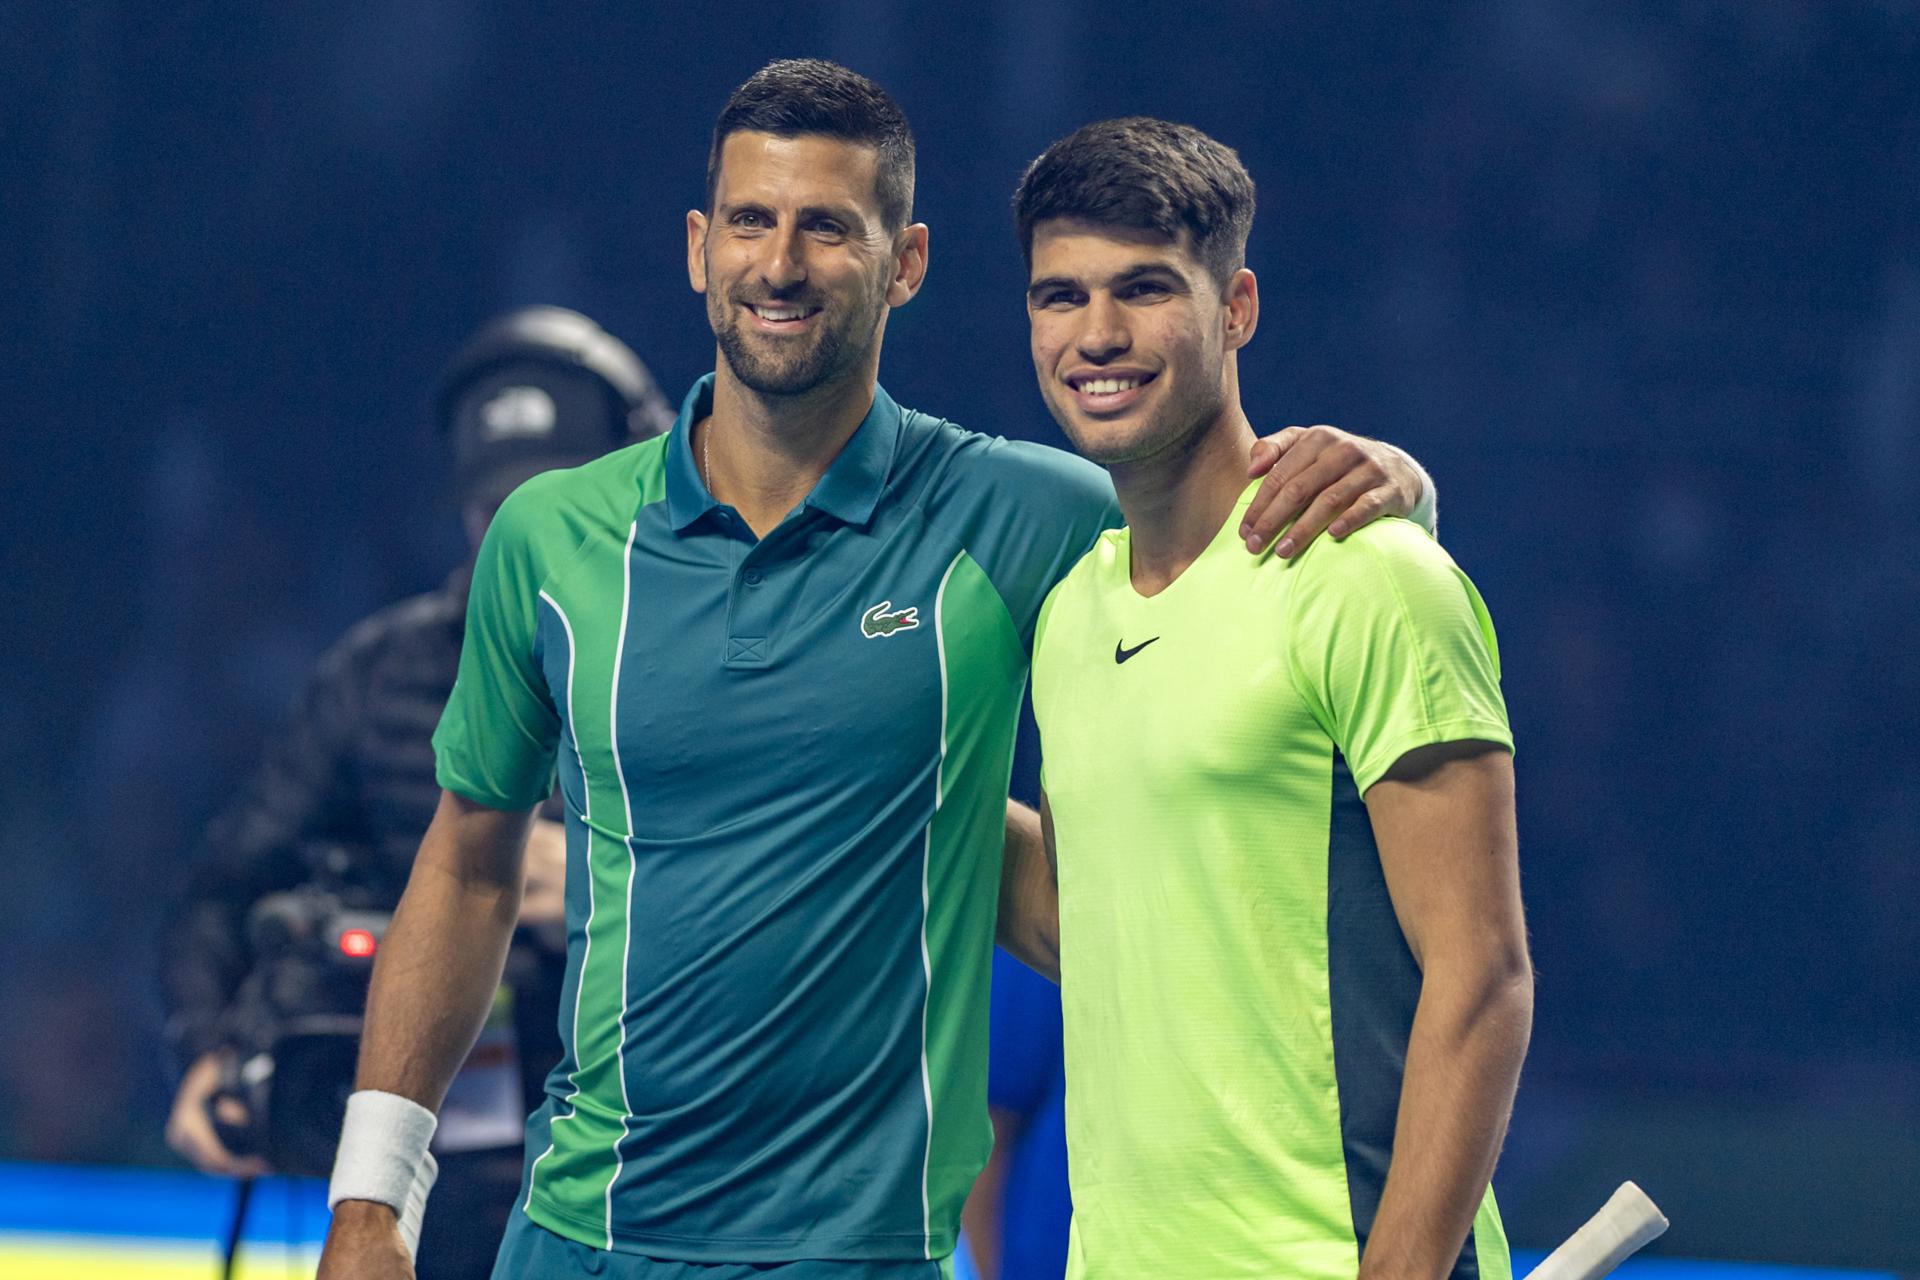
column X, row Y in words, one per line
column 1390, row 568
column 1391, row 546
column 973, row 465
column 564, row 502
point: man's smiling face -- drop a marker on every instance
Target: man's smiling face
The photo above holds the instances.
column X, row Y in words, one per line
column 1128, row 334
column 794, row 259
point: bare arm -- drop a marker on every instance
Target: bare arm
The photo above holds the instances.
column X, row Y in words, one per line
column 440, row 962
column 1029, row 926
column 433, row 982
column 984, row 1216
column 1443, row 820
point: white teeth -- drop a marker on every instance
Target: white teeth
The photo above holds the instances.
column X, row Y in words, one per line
column 1108, row 386
column 781, row 313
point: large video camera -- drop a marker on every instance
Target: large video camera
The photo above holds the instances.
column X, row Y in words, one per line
column 297, row 1020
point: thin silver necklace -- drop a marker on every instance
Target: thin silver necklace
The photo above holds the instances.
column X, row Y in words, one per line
column 706, row 464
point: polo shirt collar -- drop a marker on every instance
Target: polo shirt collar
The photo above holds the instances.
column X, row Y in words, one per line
column 849, row 491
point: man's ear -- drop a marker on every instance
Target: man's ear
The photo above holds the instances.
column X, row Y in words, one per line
column 909, row 265
column 1243, row 308
column 697, row 250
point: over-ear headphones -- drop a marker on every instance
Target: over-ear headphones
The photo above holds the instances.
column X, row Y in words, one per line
column 566, row 339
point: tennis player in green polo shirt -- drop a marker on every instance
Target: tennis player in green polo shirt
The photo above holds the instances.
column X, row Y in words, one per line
column 1279, row 793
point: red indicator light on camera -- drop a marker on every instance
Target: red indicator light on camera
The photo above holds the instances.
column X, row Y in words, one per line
column 357, row 943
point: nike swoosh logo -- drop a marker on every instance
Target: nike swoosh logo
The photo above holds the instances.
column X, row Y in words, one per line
column 1121, row 654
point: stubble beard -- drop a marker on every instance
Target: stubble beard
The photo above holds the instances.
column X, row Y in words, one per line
column 837, row 347
column 1172, row 428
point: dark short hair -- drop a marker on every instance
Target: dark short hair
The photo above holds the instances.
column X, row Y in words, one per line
column 796, row 96
column 1146, row 175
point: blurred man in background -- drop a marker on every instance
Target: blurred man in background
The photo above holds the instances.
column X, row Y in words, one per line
column 330, row 821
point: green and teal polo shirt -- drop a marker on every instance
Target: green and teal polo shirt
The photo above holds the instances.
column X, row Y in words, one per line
column 785, row 766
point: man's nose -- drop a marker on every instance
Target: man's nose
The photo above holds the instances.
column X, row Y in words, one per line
column 785, row 263
column 1103, row 331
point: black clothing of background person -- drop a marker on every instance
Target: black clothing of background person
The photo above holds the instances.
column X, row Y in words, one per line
column 351, row 769
column 345, row 791
column 352, row 772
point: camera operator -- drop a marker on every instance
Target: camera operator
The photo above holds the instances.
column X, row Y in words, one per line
column 291, row 891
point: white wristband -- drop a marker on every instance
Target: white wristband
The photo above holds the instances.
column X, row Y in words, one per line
column 383, row 1157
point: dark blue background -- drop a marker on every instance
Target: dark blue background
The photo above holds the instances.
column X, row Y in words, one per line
column 1639, row 282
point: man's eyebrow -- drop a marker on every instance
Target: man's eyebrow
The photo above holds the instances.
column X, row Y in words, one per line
column 1045, row 283
column 1138, row 271
column 1141, row 269
column 839, row 213
column 846, row 214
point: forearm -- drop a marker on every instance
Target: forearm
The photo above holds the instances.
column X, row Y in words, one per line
column 1029, row 925
column 1468, row 1039
column 440, row 962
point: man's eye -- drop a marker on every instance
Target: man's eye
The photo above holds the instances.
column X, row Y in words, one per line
column 1144, row 289
column 1059, row 298
column 828, row 227
column 749, row 219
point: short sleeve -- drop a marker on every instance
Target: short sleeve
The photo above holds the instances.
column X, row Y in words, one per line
column 1038, row 510
column 496, row 739
column 1392, row 648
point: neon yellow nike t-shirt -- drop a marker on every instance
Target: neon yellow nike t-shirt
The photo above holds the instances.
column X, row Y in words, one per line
column 1236, row 989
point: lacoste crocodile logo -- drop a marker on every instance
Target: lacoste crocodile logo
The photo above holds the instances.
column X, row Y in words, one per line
column 877, row 623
